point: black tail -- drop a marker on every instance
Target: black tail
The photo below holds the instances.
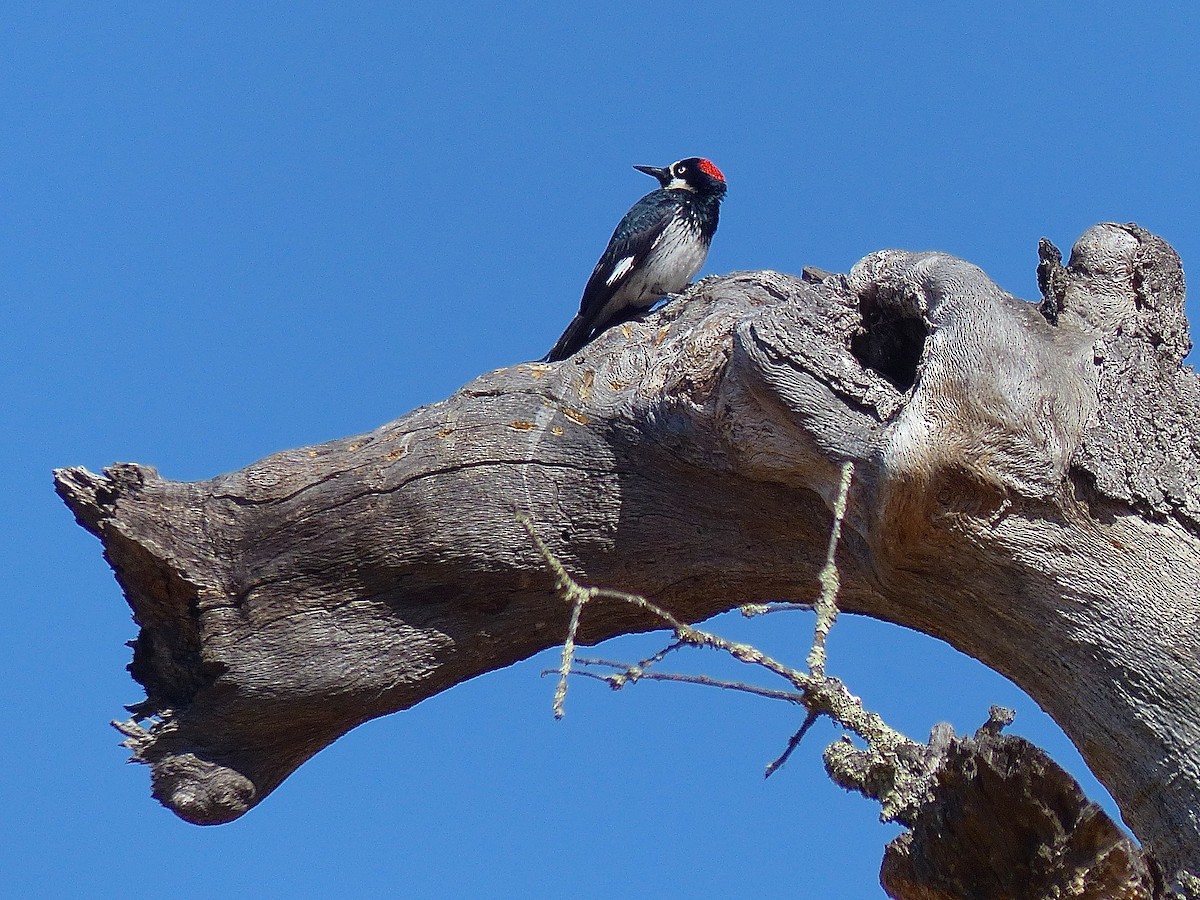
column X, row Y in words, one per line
column 572, row 340
column 583, row 331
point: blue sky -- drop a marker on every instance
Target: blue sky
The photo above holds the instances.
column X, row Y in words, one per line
column 233, row 231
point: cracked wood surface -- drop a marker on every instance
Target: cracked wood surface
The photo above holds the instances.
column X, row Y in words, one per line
column 1026, row 491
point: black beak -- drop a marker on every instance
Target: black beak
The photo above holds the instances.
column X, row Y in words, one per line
column 663, row 175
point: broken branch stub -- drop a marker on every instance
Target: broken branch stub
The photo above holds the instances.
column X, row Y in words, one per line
column 1026, row 491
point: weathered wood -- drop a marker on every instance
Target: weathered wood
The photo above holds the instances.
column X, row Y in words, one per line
column 1027, row 491
column 1003, row 822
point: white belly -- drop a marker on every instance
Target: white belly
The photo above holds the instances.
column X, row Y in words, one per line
column 673, row 261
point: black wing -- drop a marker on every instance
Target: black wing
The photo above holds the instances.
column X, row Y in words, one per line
column 627, row 249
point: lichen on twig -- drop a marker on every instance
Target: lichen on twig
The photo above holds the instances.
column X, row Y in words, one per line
column 577, row 596
column 827, row 610
column 821, row 695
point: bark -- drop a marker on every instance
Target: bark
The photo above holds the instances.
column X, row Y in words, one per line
column 1002, row 821
column 1026, row 488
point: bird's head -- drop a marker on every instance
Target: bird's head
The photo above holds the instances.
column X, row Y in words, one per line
column 691, row 174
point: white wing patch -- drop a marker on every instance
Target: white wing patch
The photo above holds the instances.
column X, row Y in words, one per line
column 620, row 270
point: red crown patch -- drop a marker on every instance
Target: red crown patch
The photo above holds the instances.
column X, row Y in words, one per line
column 707, row 167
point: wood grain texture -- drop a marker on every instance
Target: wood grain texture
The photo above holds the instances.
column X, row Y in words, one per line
column 1002, row 821
column 1026, row 491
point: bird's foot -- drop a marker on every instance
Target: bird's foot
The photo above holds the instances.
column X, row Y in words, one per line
column 665, row 299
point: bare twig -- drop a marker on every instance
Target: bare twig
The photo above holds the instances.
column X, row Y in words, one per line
column 750, row 610
column 631, row 674
column 659, row 656
column 792, row 744
column 820, row 694
column 893, row 769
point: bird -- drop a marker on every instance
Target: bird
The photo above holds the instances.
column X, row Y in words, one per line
column 655, row 250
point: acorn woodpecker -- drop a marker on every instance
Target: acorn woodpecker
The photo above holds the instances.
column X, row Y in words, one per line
column 657, row 248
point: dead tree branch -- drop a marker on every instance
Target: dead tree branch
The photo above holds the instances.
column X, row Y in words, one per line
column 1026, row 487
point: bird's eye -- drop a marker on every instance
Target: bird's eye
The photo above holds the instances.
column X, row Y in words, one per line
column 680, row 170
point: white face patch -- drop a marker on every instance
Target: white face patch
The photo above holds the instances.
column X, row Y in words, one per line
column 620, row 270
column 678, row 184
